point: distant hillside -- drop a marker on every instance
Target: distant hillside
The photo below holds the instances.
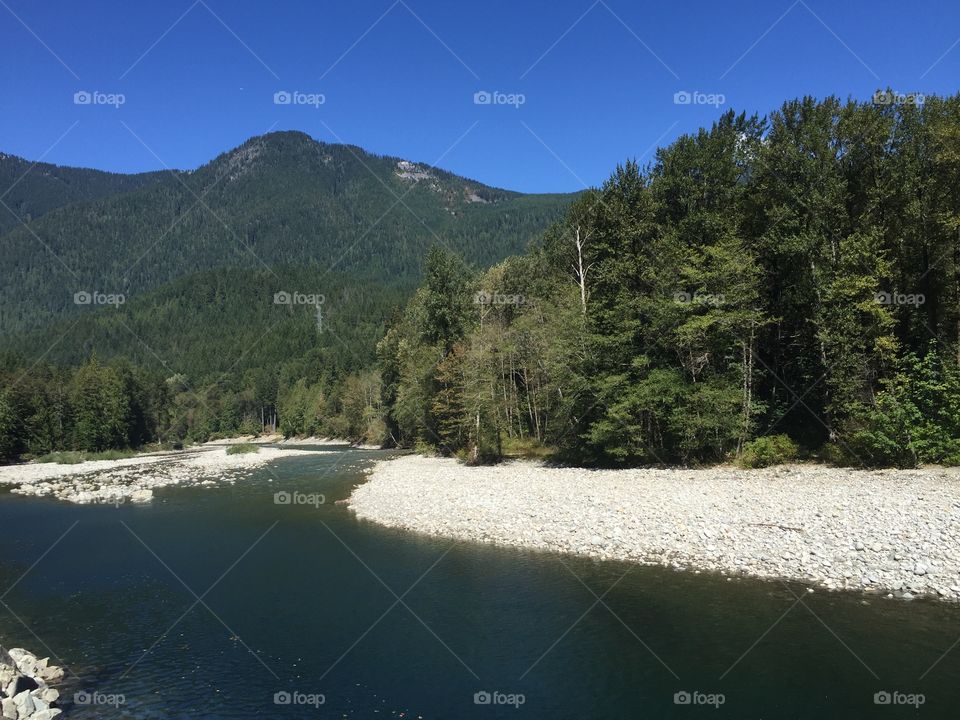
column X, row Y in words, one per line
column 228, row 321
column 280, row 199
column 33, row 189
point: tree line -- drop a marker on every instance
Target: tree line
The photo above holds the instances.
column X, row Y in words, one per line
column 110, row 405
column 769, row 285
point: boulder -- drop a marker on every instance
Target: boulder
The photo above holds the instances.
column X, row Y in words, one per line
column 24, row 703
column 52, row 673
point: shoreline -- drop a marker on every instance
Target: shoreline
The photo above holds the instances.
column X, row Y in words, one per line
column 278, row 439
column 883, row 532
column 135, row 479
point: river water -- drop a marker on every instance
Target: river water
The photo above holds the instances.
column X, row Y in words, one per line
column 222, row 603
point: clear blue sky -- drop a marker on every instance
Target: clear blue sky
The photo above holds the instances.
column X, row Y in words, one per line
column 399, row 77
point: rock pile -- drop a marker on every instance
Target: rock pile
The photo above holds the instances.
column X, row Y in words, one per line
column 24, row 690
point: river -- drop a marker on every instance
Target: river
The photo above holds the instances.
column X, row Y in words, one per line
column 223, row 603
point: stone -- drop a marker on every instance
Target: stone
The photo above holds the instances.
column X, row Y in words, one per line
column 52, row 673
column 24, row 703
column 39, row 705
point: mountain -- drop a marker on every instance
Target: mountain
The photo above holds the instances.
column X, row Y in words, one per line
column 281, row 199
column 30, row 190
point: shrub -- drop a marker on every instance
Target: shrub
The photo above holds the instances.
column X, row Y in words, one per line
column 767, row 450
column 110, row 455
column 915, row 418
column 377, row 432
column 526, row 448
column 242, row 448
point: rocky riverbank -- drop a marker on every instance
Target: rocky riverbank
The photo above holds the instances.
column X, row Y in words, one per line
column 895, row 532
column 24, row 690
column 135, row 479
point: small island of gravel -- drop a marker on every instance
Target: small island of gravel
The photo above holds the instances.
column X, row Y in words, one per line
column 895, row 532
column 135, row 479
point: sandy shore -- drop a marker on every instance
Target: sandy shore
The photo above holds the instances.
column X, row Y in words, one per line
column 892, row 531
column 135, row 479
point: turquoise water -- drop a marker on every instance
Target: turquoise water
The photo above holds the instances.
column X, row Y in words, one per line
column 299, row 603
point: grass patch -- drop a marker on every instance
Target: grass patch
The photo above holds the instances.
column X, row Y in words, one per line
column 73, row 457
column 242, row 449
column 68, row 457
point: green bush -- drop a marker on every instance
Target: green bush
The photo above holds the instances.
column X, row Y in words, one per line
column 915, row 418
column 527, row 448
column 422, row 447
column 767, row 450
column 110, row 455
column 242, row 448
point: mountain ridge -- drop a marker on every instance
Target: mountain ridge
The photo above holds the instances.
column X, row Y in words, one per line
column 282, row 198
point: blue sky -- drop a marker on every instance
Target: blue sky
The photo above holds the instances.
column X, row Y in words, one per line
column 597, row 79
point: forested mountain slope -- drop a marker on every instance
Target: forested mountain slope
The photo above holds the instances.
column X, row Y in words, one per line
column 32, row 189
column 229, row 320
column 279, row 199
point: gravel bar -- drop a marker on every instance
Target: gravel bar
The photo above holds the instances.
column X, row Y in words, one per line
column 135, row 479
column 895, row 532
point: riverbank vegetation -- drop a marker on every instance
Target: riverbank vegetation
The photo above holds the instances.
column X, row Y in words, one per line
column 797, row 276
column 105, row 409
